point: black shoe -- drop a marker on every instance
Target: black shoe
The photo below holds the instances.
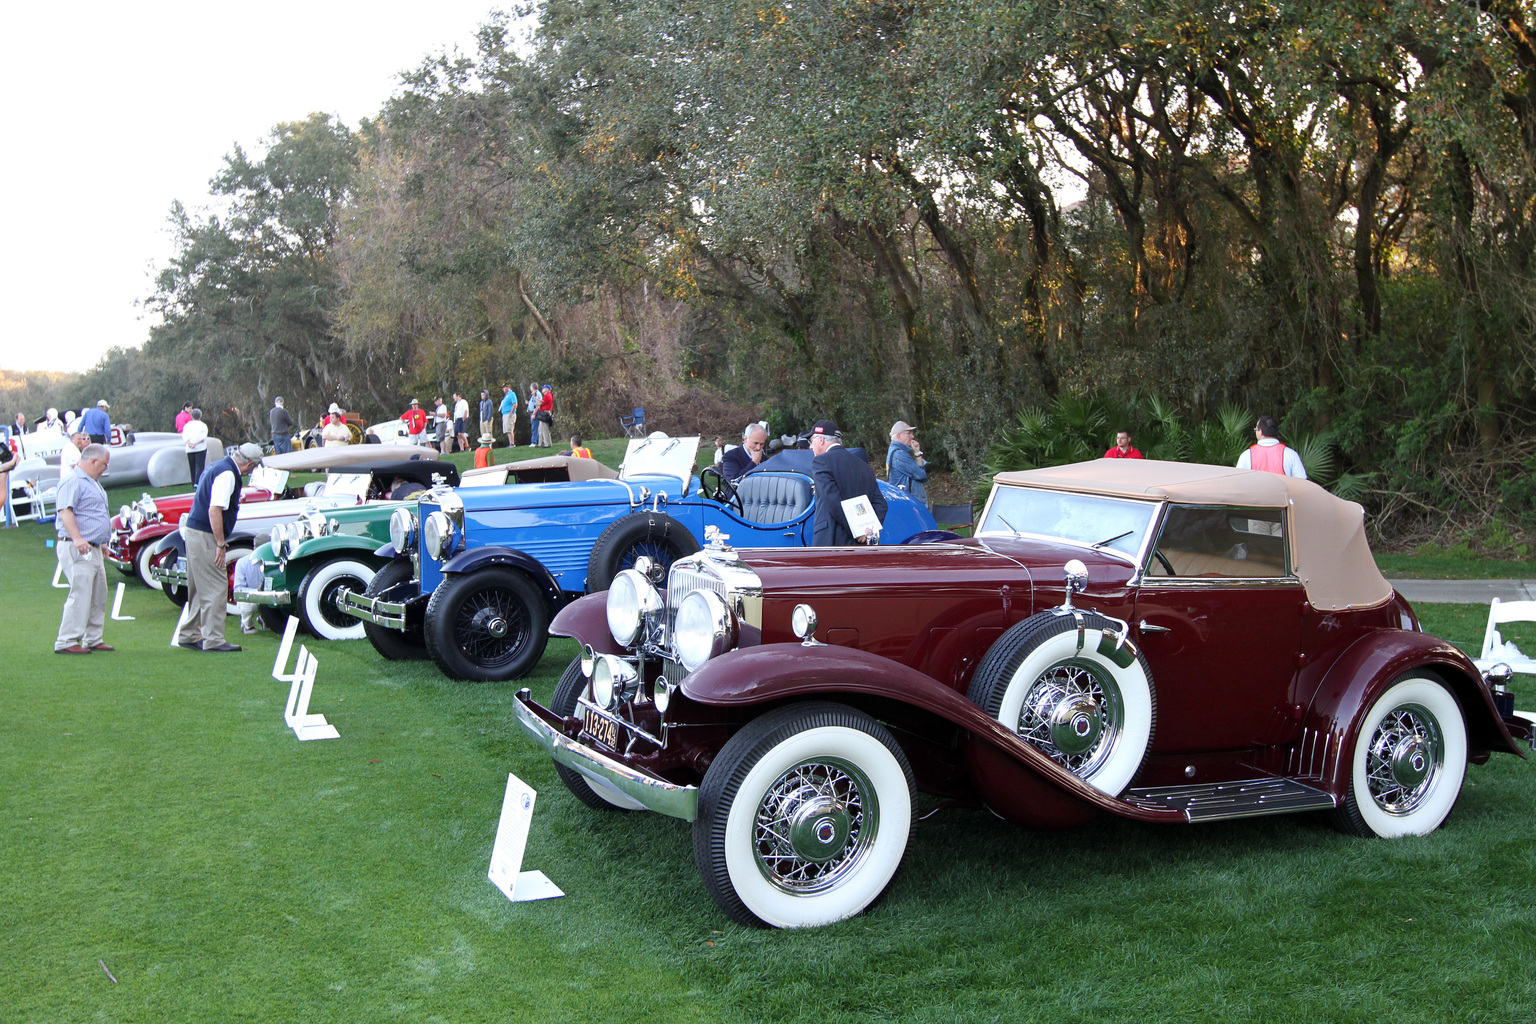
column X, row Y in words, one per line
column 222, row 648
column 191, row 645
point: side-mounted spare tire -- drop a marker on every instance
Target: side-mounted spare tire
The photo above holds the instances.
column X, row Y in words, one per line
column 655, row 534
column 1079, row 697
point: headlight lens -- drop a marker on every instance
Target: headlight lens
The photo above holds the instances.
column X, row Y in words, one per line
column 123, row 513
column 402, row 529
column 437, row 536
column 705, row 628
column 631, row 599
column 613, row 680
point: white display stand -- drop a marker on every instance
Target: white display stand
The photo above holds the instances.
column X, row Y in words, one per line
column 58, row 574
column 507, row 852
column 280, row 665
column 117, row 605
column 305, row 725
column 186, row 614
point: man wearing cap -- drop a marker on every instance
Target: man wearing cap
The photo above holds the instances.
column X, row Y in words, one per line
column 335, row 433
column 509, row 415
column 839, row 475
column 215, row 507
column 96, row 423
column 415, row 422
column 83, row 526
column 905, row 466
column 282, row 427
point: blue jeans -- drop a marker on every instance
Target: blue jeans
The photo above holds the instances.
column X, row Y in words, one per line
column 281, row 444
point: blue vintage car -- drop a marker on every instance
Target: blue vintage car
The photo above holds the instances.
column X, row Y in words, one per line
column 478, row 573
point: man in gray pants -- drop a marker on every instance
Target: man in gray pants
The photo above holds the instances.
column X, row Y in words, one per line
column 83, row 527
column 215, row 507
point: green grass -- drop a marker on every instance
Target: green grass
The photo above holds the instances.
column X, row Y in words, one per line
column 158, row 817
column 1451, row 567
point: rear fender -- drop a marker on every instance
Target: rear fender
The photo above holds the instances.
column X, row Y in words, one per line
column 480, row 558
column 585, row 620
column 1001, row 762
column 1361, row 674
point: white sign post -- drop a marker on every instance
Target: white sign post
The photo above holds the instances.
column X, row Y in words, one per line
column 289, row 632
column 297, row 717
column 186, row 614
column 117, row 606
column 58, row 575
column 507, row 852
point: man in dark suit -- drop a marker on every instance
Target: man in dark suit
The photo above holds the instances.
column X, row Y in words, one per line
column 839, row 474
column 746, row 456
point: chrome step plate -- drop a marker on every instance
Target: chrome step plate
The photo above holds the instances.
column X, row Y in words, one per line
column 1245, row 798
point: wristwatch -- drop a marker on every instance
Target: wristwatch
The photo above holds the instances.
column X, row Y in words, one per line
column 221, row 544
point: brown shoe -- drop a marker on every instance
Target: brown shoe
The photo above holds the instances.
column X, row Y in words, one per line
column 102, row 647
column 72, row 649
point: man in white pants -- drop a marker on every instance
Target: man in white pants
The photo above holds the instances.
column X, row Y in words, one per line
column 83, row 525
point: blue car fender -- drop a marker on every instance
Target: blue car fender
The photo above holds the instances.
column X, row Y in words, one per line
column 480, row 558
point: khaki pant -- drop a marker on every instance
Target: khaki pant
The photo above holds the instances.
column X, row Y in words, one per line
column 85, row 609
column 207, row 592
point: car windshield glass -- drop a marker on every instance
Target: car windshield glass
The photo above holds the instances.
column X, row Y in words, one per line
column 1087, row 519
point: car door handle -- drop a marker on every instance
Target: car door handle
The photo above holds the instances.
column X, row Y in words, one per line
column 1146, row 627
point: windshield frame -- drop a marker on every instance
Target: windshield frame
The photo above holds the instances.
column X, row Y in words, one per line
column 1135, row 561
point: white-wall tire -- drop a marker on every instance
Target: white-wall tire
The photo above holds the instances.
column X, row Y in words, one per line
column 141, row 566
column 804, row 817
column 1087, row 703
column 317, row 596
column 1415, row 726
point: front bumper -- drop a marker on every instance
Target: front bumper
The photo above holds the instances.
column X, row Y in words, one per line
column 174, row 575
column 387, row 611
column 650, row 791
column 117, row 553
column 271, row 598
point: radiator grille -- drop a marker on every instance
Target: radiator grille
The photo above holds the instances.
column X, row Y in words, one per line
column 684, row 579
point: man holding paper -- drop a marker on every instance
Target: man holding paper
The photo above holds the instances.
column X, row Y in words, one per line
column 843, row 478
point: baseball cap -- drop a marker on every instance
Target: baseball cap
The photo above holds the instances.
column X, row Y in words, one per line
column 249, row 452
column 334, row 408
column 900, row 426
column 827, row 428
column 103, row 403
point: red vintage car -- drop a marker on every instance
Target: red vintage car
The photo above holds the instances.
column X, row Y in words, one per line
column 1165, row 642
column 137, row 527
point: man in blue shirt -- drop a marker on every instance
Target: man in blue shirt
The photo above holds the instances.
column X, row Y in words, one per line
column 95, row 424
column 905, row 466
column 83, row 526
column 509, row 414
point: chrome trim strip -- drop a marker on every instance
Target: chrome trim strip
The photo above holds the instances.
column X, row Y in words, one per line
column 266, row 597
column 389, row 614
column 650, row 791
column 1224, row 582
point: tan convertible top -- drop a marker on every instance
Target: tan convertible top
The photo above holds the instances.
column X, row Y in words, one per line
column 1327, row 534
column 342, row 456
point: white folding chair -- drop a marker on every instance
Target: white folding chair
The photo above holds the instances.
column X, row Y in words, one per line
column 1495, row 650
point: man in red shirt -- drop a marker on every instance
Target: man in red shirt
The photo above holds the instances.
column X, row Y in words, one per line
column 415, row 422
column 1122, row 448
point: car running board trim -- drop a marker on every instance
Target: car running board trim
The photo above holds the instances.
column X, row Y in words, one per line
column 1245, row 798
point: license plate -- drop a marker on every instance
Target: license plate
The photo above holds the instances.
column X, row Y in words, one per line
column 604, row 731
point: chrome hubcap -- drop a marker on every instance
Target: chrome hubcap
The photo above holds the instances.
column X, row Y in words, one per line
column 1404, row 759
column 1073, row 713
column 496, row 626
column 814, row 826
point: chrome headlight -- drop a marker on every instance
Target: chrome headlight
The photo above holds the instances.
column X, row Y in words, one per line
column 279, row 539
column 437, row 536
column 402, row 529
column 631, row 600
column 704, row 629
column 315, row 526
column 613, row 680
column 123, row 513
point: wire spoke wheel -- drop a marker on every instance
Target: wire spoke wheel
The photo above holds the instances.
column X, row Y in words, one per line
column 814, row 825
column 490, row 626
column 1405, row 756
column 1074, row 713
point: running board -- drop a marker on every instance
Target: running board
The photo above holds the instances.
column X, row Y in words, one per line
column 1246, row 798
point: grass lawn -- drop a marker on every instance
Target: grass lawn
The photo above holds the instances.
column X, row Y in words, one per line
column 161, row 820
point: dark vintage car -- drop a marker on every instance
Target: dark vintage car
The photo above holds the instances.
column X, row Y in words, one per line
column 1165, row 642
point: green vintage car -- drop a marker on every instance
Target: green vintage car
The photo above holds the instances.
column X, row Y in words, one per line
column 309, row 562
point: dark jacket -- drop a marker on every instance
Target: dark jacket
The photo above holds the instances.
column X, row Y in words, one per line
column 282, row 423
column 736, row 463
column 840, row 474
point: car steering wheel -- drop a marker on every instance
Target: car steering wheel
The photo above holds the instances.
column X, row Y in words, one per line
column 1162, row 560
column 720, row 490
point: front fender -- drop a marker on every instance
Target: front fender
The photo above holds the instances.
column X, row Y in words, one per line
column 320, row 547
column 151, row 532
column 585, row 620
column 777, row 672
column 172, row 541
column 480, row 558
column 1362, row 673
column 387, row 552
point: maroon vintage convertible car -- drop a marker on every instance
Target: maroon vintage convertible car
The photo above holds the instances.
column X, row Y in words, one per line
column 1170, row 643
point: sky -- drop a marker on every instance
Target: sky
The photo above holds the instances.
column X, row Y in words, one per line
column 119, row 109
